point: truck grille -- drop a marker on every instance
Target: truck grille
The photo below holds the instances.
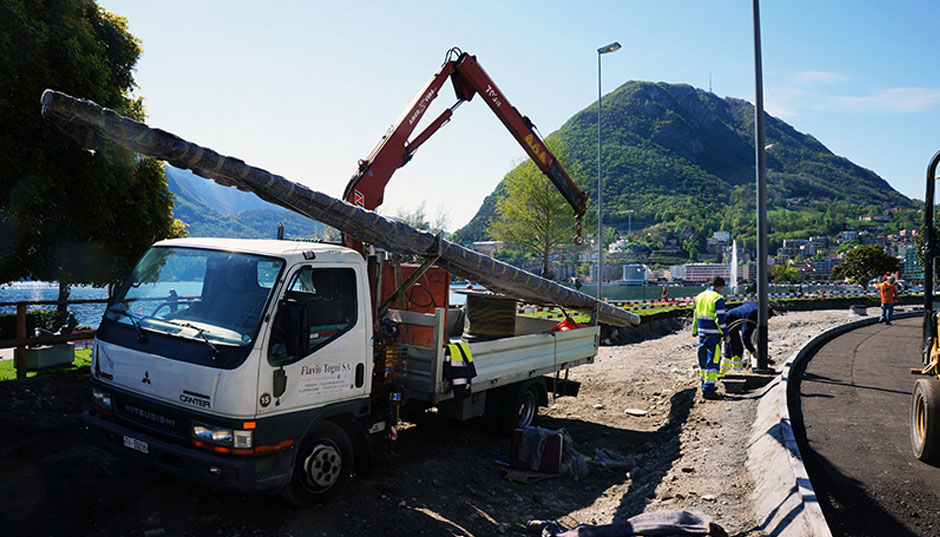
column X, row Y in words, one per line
column 154, row 418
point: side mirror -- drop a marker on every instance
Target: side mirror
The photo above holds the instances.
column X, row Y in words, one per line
column 116, row 284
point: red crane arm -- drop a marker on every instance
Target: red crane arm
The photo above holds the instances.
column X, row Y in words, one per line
column 473, row 76
column 367, row 187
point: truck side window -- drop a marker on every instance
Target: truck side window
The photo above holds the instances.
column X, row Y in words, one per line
column 329, row 297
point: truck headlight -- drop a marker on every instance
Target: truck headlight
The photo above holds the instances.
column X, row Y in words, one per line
column 223, row 436
column 101, row 398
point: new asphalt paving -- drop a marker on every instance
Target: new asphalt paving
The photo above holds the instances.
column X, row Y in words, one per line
column 852, row 423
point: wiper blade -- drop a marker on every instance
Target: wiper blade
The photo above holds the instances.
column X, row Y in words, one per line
column 141, row 336
column 202, row 333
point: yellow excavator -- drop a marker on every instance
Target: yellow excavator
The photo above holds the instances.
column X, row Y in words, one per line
column 925, row 401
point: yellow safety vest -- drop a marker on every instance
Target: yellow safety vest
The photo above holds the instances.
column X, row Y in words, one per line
column 459, row 368
column 709, row 313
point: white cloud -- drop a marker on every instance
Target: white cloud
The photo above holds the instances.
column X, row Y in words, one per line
column 898, row 100
column 817, row 78
column 785, row 102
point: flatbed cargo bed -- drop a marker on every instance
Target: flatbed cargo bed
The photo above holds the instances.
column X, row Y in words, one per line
column 498, row 362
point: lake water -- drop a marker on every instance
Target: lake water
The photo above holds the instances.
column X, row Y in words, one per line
column 89, row 314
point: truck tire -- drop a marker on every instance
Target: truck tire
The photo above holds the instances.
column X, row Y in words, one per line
column 520, row 406
column 925, row 420
column 322, row 467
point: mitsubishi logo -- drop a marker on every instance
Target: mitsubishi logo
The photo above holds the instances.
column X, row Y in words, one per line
column 146, row 379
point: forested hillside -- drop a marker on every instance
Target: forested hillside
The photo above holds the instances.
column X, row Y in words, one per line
column 212, row 210
column 682, row 159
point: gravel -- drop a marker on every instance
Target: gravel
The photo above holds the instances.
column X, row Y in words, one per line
column 638, row 403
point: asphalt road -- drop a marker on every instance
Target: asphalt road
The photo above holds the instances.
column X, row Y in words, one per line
column 854, row 405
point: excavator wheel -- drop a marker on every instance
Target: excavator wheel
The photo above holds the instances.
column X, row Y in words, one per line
column 925, row 420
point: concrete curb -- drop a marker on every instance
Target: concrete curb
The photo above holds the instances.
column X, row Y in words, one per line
column 783, row 498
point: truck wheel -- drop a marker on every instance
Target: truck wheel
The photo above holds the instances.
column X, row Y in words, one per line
column 522, row 407
column 322, row 466
column 925, row 420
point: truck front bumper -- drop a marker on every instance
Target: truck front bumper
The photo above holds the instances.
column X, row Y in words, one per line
column 269, row 472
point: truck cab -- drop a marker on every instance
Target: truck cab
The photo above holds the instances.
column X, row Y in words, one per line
column 219, row 360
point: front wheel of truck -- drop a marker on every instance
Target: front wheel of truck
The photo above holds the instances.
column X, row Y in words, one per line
column 322, row 467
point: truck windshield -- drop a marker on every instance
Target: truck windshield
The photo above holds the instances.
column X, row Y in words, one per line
column 204, row 295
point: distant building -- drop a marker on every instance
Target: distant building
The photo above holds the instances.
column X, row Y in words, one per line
column 823, row 267
column 636, row 274
column 704, row 272
column 913, row 269
column 608, row 271
column 722, row 236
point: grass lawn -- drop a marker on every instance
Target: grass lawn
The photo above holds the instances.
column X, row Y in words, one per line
column 82, row 363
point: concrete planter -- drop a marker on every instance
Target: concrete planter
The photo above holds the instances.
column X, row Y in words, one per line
column 49, row 356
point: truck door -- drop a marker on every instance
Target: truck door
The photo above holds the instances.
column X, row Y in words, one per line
column 317, row 352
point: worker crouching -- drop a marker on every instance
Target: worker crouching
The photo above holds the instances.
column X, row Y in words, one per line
column 742, row 322
column 709, row 326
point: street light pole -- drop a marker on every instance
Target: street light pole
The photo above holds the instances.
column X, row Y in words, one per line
column 600, row 245
column 761, row 171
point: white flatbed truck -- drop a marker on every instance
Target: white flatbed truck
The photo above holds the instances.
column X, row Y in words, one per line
column 248, row 365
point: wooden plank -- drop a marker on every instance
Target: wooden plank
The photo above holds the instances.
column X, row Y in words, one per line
column 47, row 340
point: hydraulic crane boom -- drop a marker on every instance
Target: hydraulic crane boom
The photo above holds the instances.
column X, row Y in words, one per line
column 367, row 187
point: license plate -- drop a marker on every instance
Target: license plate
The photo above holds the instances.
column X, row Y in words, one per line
column 136, row 444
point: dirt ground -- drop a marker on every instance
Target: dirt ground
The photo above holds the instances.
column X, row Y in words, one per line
column 442, row 478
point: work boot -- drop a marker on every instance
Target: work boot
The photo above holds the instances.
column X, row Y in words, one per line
column 712, row 396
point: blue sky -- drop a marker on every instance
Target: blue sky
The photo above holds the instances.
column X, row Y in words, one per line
column 306, row 89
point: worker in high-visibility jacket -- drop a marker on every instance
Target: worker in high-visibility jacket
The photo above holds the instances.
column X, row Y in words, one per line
column 742, row 323
column 709, row 326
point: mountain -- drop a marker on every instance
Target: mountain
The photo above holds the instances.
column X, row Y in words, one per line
column 682, row 159
column 212, row 210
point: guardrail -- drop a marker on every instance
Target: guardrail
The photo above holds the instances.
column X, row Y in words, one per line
column 21, row 341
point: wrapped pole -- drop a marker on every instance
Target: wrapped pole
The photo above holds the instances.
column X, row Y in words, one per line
column 90, row 123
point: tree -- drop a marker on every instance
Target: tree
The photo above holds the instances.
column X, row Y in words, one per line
column 418, row 219
column 864, row 263
column 66, row 213
column 785, row 274
column 533, row 215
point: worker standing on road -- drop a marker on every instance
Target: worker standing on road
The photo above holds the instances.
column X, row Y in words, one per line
column 742, row 321
column 888, row 294
column 709, row 326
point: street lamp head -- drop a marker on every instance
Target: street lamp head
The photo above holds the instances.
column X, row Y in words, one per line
column 609, row 48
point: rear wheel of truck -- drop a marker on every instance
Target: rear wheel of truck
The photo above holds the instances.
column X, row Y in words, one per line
column 925, row 420
column 520, row 406
column 322, row 467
